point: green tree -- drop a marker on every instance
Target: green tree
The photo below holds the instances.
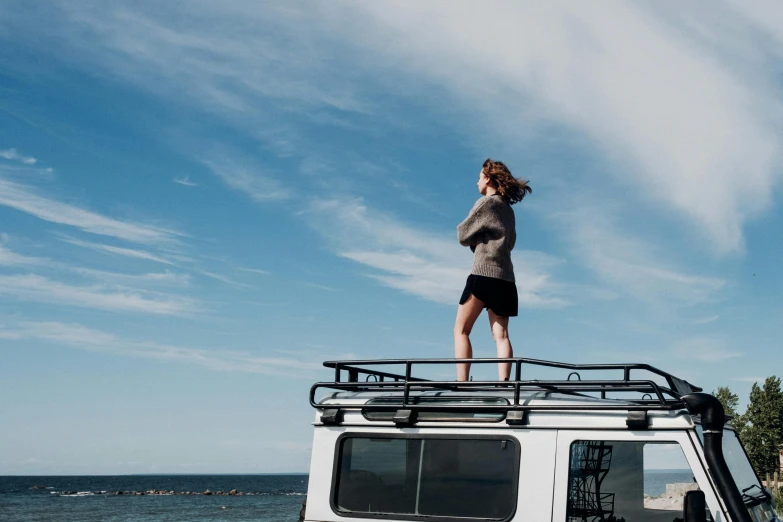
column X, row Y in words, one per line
column 763, row 432
column 730, row 402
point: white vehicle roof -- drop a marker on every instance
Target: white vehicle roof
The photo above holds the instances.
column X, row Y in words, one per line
column 574, row 410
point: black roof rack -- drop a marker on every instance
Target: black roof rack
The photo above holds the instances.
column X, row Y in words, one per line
column 362, row 376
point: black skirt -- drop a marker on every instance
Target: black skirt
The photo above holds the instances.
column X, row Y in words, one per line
column 497, row 295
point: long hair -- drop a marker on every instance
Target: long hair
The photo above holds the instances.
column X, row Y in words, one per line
column 513, row 190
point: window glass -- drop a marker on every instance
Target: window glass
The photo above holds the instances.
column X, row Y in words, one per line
column 627, row 481
column 754, row 496
column 474, row 478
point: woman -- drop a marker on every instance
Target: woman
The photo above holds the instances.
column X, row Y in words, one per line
column 490, row 232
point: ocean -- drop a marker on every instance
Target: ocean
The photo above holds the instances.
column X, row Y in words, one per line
column 655, row 480
column 258, row 498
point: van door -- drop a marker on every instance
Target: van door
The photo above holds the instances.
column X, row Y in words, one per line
column 627, row 476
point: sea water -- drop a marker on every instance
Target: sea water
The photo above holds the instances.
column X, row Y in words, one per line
column 655, row 481
column 259, row 498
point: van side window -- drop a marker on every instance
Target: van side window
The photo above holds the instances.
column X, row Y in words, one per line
column 626, row 481
column 427, row 476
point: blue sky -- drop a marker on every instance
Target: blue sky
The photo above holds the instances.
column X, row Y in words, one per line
column 199, row 203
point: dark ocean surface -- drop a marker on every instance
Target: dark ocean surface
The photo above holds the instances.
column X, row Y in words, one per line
column 655, row 480
column 267, row 498
column 264, row 498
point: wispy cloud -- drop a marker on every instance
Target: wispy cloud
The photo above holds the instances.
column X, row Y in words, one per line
column 26, row 199
column 224, row 279
column 122, row 251
column 255, row 271
column 590, row 69
column 707, row 320
column 247, row 177
column 185, row 180
column 631, row 265
column 166, row 278
column 417, row 262
column 264, row 60
column 583, row 69
column 319, row 286
column 749, row 379
column 13, row 155
column 11, row 258
column 704, row 349
column 578, row 68
column 36, row 288
column 664, row 138
column 84, row 338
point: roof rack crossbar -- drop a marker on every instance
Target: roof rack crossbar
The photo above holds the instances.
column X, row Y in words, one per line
column 354, row 373
column 674, row 383
column 662, row 397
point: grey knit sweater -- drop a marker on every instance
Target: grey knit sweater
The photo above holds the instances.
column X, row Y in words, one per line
column 490, row 231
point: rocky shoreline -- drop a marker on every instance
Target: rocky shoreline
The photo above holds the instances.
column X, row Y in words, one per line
column 159, row 492
column 672, row 499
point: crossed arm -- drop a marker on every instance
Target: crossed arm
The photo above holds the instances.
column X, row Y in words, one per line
column 477, row 226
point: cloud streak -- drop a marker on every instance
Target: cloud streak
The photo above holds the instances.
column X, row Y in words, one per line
column 750, row 380
column 26, row 199
column 420, row 263
column 122, row 251
column 36, row 288
column 619, row 74
column 13, row 155
column 630, row 265
column 81, row 337
column 244, row 176
column 255, row 271
column 11, row 258
column 165, row 278
column 105, row 290
column 623, row 80
column 705, row 349
column 224, row 279
column 185, row 180
column 669, row 109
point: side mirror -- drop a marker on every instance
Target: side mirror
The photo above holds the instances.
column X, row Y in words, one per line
column 694, row 508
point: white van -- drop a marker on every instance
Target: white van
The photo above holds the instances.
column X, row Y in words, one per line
column 634, row 444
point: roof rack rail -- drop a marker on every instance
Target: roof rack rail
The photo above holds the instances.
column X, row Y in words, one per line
column 666, row 397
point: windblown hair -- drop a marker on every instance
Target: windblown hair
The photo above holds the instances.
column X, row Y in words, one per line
column 510, row 188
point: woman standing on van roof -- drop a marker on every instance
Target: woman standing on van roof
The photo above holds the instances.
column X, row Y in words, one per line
column 490, row 232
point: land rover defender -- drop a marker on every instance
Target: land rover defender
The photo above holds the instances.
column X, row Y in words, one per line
column 394, row 440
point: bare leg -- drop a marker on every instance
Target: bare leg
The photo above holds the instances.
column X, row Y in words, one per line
column 467, row 314
column 499, row 326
